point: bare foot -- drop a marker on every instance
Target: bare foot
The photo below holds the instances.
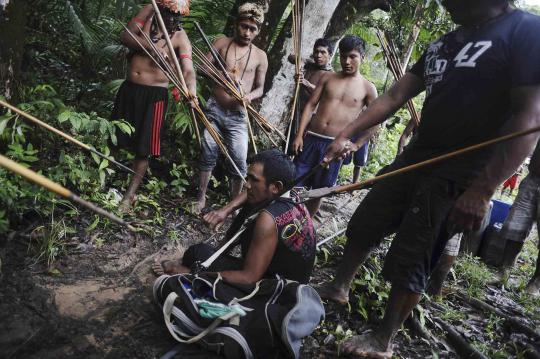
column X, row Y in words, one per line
column 334, row 293
column 125, row 204
column 367, row 346
column 533, row 287
column 169, row 267
column 201, row 204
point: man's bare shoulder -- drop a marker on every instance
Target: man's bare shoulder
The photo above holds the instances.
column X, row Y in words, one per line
column 260, row 54
column 180, row 38
column 365, row 82
column 222, row 42
column 258, row 50
column 329, row 76
column 369, row 85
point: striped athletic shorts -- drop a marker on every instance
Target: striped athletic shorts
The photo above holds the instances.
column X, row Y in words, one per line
column 144, row 107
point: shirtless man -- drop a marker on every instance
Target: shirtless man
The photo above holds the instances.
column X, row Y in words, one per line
column 142, row 98
column 316, row 69
column 340, row 98
column 247, row 64
column 314, row 72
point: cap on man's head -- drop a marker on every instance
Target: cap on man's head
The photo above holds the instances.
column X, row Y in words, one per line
column 251, row 11
column 180, row 7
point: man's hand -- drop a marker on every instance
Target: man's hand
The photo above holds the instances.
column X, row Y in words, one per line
column 339, row 149
column 193, row 101
column 298, row 145
column 247, row 99
column 215, row 219
column 308, row 84
column 469, row 210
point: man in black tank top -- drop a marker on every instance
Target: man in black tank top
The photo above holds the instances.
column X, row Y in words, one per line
column 280, row 241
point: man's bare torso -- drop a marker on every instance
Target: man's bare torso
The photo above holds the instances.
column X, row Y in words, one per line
column 342, row 100
column 239, row 67
column 144, row 71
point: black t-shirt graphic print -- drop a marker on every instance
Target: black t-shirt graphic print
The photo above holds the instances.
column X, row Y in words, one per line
column 469, row 75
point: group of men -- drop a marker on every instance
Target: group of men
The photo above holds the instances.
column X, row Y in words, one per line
column 481, row 80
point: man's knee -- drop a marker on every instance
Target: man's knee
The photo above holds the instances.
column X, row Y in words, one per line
column 239, row 157
column 209, row 153
column 197, row 253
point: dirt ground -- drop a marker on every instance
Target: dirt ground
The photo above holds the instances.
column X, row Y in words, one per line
column 97, row 302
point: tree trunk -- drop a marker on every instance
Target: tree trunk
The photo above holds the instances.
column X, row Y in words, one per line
column 12, row 22
column 272, row 19
column 275, row 104
column 350, row 12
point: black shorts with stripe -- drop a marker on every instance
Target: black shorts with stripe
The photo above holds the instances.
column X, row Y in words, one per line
column 144, row 107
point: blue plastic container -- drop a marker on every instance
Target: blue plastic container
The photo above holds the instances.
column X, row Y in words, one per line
column 499, row 212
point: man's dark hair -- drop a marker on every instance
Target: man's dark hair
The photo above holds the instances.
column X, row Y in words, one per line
column 350, row 43
column 276, row 167
column 324, row 43
column 172, row 20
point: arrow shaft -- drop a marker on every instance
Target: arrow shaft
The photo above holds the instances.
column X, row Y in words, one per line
column 432, row 161
column 63, row 135
column 58, row 189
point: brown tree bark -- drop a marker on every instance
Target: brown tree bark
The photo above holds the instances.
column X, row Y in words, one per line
column 12, row 22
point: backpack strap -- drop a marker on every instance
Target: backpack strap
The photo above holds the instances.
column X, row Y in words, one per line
column 207, row 263
column 168, row 306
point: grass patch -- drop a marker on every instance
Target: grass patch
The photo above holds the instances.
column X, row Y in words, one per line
column 474, row 273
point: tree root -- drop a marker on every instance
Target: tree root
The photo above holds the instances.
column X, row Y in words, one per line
column 460, row 345
column 513, row 322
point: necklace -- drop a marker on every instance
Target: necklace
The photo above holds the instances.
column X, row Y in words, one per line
column 237, row 60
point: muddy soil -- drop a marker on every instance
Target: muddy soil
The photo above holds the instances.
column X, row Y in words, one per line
column 96, row 302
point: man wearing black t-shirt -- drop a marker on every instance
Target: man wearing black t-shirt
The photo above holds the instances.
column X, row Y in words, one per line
column 481, row 80
column 280, row 241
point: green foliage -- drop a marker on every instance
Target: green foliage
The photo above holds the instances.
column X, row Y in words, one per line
column 474, row 273
column 73, row 52
column 49, row 240
column 180, row 173
column 370, row 289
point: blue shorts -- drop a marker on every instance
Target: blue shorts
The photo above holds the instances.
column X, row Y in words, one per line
column 359, row 158
column 311, row 156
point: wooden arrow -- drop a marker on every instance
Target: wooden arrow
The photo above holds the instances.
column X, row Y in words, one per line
column 328, row 191
column 59, row 190
column 64, row 135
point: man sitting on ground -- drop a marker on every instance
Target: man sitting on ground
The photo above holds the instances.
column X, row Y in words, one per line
column 340, row 98
column 281, row 240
